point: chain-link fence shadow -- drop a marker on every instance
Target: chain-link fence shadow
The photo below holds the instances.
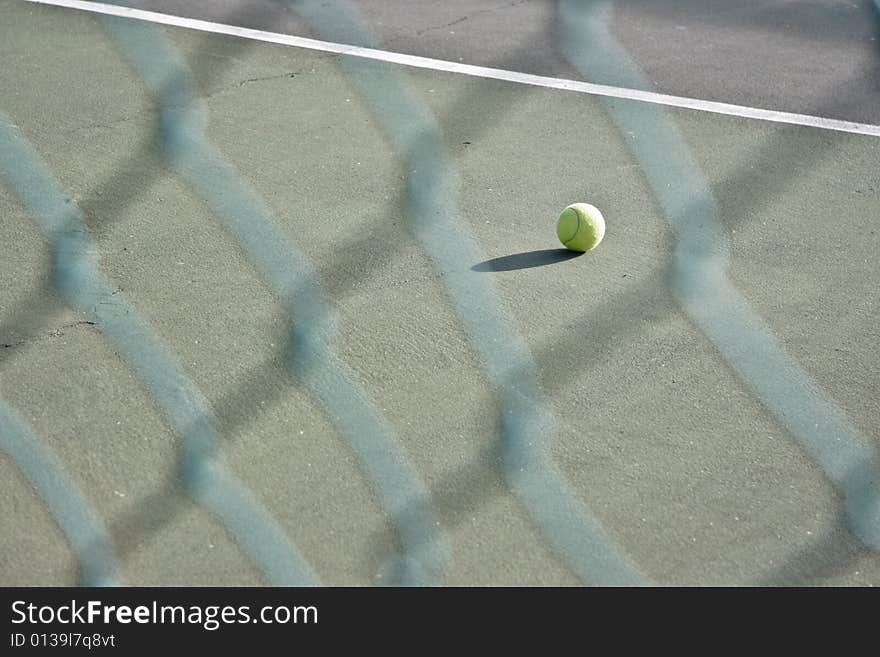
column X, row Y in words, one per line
column 517, row 458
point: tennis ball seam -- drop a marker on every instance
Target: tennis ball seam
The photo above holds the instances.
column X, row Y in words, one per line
column 577, row 224
column 577, row 228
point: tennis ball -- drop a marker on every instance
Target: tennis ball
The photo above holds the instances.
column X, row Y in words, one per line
column 580, row 227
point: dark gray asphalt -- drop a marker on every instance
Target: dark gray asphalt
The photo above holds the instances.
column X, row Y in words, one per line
column 818, row 57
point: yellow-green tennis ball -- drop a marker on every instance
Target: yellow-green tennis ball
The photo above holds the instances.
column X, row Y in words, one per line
column 580, row 227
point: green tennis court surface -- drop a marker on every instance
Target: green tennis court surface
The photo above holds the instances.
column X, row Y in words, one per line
column 275, row 315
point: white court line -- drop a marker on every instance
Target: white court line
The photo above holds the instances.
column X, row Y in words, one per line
column 467, row 69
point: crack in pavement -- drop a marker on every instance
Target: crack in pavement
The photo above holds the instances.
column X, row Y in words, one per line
column 53, row 333
column 108, row 125
column 432, row 28
column 268, row 77
column 148, row 112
